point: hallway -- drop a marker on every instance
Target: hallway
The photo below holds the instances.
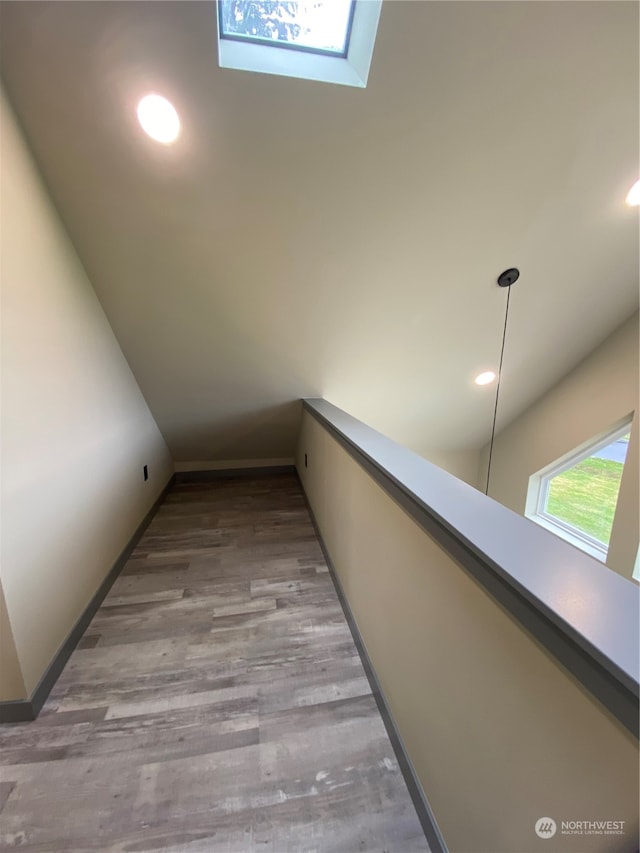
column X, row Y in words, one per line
column 216, row 702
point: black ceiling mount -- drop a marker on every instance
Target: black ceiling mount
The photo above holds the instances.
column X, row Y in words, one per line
column 508, row 277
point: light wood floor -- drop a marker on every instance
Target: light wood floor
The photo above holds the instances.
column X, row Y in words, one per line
column 216, row 702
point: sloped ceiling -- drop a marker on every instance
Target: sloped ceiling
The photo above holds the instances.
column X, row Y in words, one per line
column 304, row 239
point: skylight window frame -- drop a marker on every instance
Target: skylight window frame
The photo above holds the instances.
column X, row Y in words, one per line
column 287, row 45
column 539, row 483
column 274, row 57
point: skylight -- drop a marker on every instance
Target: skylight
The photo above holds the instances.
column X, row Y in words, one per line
column 327, row 40
column 321, row 26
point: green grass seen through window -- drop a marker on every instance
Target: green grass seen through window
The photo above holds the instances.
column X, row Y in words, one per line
column 586, row 496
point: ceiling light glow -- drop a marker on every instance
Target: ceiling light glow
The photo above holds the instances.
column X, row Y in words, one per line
column 159, row 119
column 485, row 378
column 633, row 196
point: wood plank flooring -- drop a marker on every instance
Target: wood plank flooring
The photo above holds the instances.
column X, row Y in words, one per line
column 216, row 702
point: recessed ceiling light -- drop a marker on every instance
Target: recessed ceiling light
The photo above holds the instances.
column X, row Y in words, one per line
column 633, row 196
column 485, row 378
column 159, row 119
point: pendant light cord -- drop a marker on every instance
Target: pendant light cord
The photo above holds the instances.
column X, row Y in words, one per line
column 495, row 409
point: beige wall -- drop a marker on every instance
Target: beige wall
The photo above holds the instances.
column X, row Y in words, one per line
column 463, row 464
column 11, row 683
column 499, row 733
column 76, row 430
column 601, row 391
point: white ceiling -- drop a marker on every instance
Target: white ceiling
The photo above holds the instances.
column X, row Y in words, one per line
column 305, row 239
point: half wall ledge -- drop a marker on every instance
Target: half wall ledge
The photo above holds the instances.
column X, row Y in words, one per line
column 583, row 613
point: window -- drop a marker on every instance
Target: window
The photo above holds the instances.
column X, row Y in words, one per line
column 576, row 497
column 325, row 40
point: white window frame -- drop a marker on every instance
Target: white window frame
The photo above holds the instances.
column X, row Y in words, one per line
column 539, row 489
column 352, row 70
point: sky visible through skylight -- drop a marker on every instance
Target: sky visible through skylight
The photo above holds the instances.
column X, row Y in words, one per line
column 320, row 25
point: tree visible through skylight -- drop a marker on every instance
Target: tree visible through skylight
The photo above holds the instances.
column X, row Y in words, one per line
column 315, row 25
